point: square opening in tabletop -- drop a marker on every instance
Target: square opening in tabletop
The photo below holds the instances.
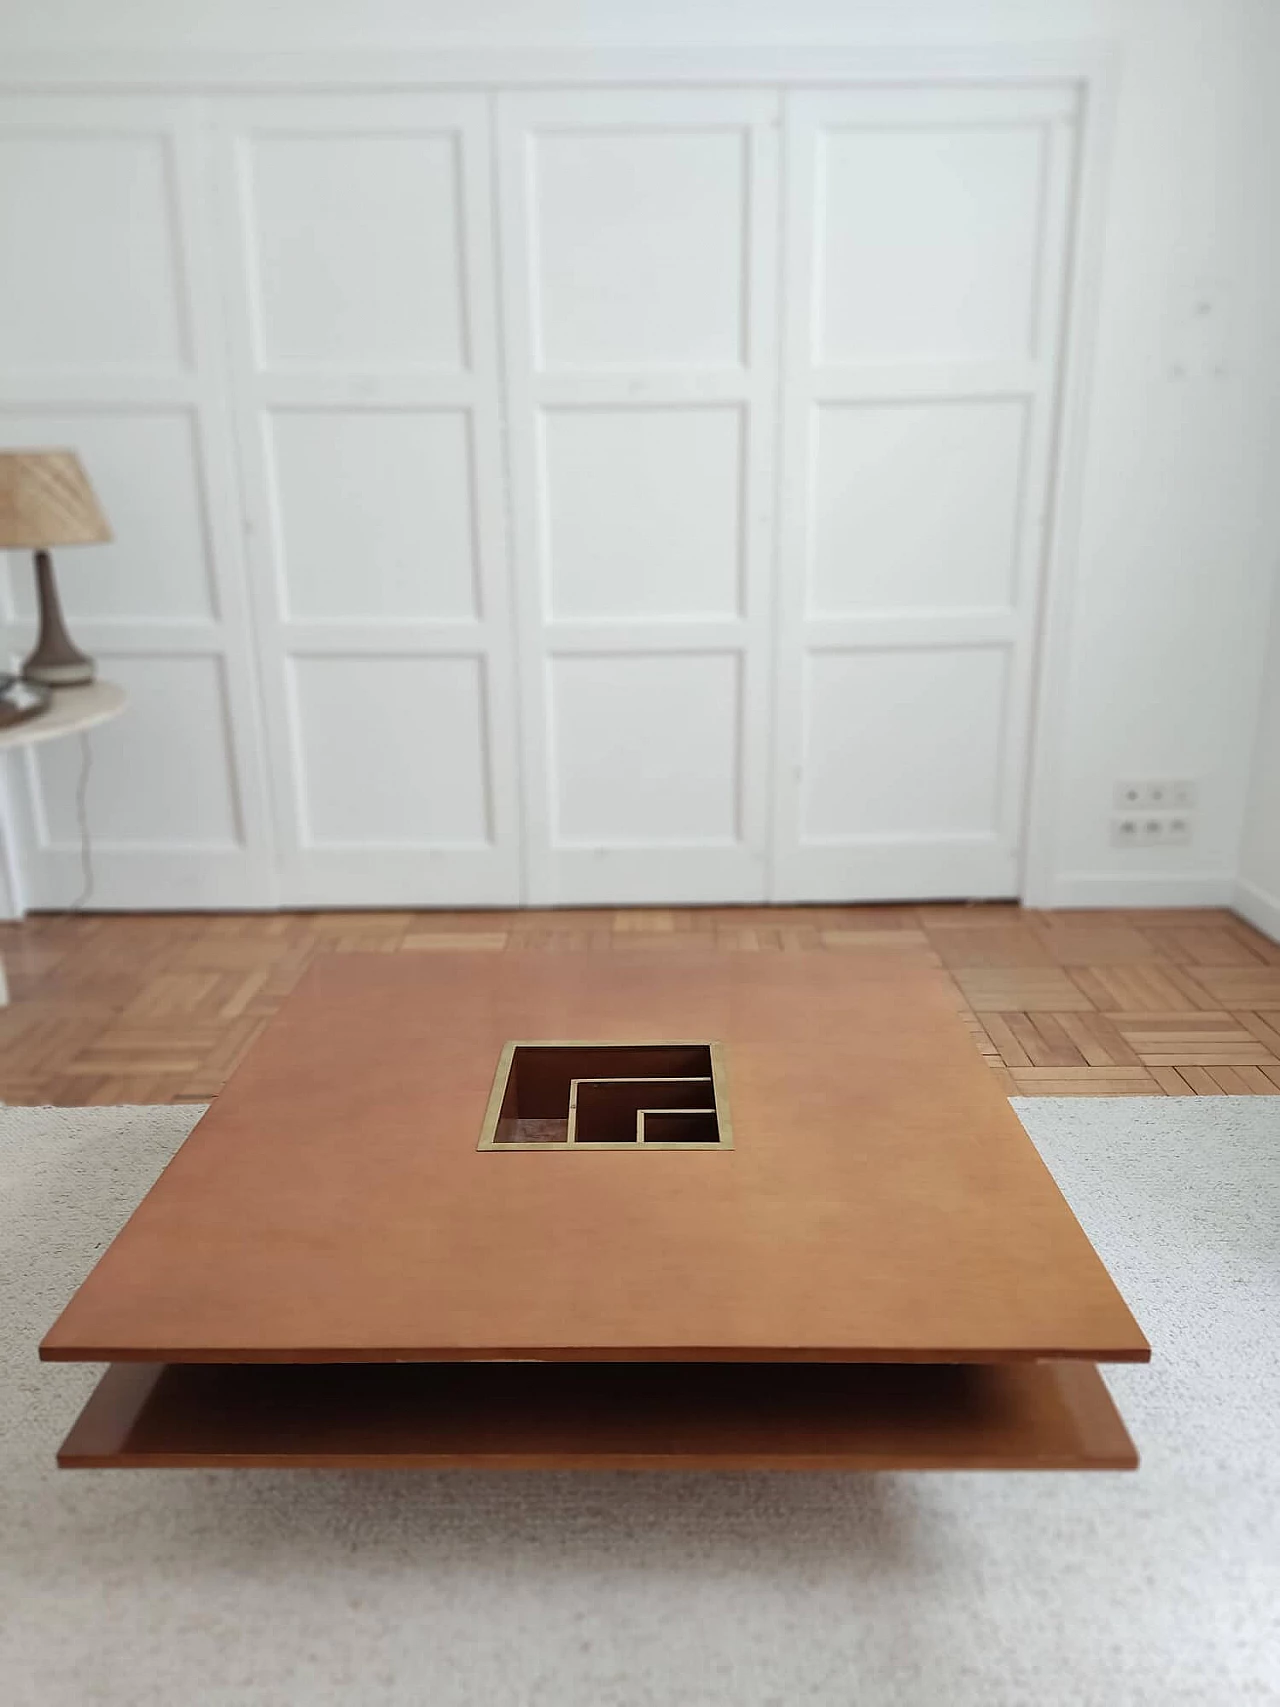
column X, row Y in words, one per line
column 594, row 1096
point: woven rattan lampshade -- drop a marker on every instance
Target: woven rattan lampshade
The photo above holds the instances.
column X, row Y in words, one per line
column 46, row 499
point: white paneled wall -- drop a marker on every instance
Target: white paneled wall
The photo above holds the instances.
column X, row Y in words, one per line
column 572, row 496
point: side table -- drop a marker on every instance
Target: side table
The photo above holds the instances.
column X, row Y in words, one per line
column 72, row 712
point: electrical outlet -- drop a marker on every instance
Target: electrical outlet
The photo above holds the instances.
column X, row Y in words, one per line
column 1150, row 830
column 1177, row 830
column 1161, row 793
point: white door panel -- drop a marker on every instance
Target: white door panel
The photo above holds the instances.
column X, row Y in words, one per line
column 97, row 289
column 380, row 779
column 639, row 256
column 643, row 512
column 876, row 546
column 360, row 276
column 924, row 256
column 374, row 514
column 928, row 236
column 646, row 750
column 355, row 239
column 638, row 234
column 111, row 342
column 933, row 768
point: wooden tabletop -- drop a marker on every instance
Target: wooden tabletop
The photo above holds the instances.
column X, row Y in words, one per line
column 881, row 1203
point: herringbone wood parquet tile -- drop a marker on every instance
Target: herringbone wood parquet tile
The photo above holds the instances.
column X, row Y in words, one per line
column 161, row 1007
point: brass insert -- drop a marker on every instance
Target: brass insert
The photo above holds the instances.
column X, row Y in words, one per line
column 608, row 1096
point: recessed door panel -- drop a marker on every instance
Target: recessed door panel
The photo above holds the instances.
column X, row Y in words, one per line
column 639, row 240
column 360, row 269
column 925, row 254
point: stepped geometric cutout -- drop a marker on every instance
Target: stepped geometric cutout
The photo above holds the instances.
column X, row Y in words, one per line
column 606, row 1096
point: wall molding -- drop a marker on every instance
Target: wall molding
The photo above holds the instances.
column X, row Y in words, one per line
column 1142, row 889
column 370, row 70
column 1258, row 906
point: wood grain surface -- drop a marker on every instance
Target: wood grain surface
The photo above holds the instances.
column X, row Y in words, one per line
column 159, row 1008
column 882, row 1201
column 504, row 1416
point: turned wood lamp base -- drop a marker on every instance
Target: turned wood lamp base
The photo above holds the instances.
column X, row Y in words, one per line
column 56, row 662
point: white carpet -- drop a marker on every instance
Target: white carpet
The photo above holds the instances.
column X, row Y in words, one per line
column 1163, row 1587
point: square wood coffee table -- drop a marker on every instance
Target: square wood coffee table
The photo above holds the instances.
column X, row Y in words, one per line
column 605, row 1210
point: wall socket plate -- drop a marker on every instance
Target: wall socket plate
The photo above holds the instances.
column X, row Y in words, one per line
column 1163, row 794
column 1150, row 830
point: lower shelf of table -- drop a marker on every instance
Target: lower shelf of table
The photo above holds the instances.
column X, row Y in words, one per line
column 621, row 1416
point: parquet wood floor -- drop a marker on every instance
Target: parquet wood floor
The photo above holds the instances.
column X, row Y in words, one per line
column 160, row 1007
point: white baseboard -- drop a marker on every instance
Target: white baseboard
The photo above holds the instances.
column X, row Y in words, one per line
column 1260, row 908
column 1141, row 889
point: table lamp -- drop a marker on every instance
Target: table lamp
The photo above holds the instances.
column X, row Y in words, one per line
column 46, row 499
